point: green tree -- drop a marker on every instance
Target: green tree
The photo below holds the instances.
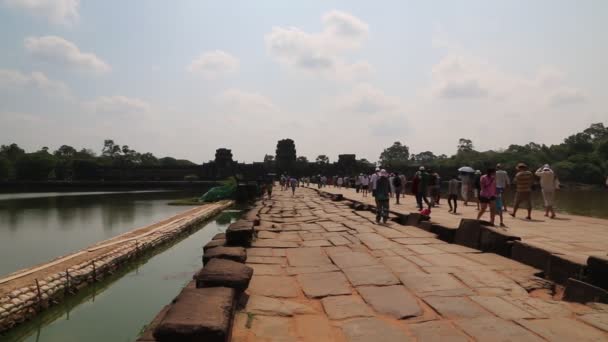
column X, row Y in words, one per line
column 11, row 152
column 5, row 168
column 148, row 159
column 285, row 155
column 424, row 157
column 65, row 152
column 395, row 156
column 35, row 166
column 322, row 159
column 465, row 145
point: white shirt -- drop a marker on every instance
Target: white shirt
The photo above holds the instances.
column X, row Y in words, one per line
column 373, row 180
column 364, row 180
column 547, row 179
column 502, row 179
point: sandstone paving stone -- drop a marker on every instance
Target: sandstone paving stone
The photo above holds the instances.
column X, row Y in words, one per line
column 373, row 329
column 226, row 273
column 279, row 252
column 455, row 307
column 316, row 243
column 416, row 241
column 340, row 228
column 259, row 252
column 311, row 236
column 491, row 328
column 501, row 307
column 598, row 320
column 198, row 314
column 336, row 249
column 267, row 269
column 390, row 233
column 290, row 236
column 424, row 249
column 454, row 248
column 415, row 259
column 339, row 241
column 267, row 235
column 318, row 285
column 272, row 243
column 313, row 328
column 341, row 307
column 415, row 232
column 563, row 329
column 448, row 260
column 430, row 282
column 274, row 286
column 313, row 256
column 496, row 261
column 370, row 275
column 437, row 331
column 352, row 259
column 272, row 328
column 394, row 300
column 266, row 260
column 237, row 254
column 375, row 241
column 262, row 305
column 311, row 269
column 399, row 264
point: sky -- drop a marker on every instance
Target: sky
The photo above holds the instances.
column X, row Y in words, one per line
column 183, row 78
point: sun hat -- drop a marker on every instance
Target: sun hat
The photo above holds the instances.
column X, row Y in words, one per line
column 522, row 166
column 421, row 168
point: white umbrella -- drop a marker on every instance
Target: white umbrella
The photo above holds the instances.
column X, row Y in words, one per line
column 466, row 169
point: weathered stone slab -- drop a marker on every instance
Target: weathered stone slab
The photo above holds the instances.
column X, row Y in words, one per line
column 198, row 314
column 148, row 334
column 259, row 252
column 375, row 241
column 214, row 243
column 276, row 307
column 424, row 249
column 272, row 243
column 496, row 261
column 399, row 265
column 339, row 241
column 274, row 286
column 437, row 331
column 370, row 275
column 501, row 308
column 452, row 248
column 239, row 233
column 563, row 329
column 579, row 291
column 598, row 320
column 449, row 260
column 311, row 269
column 341, row 307
column 390, row 233
column 226, row 273
column 317, row 285
column 316, row 243
column 371, row 329
column 562, row 267
column 455, row 307
column 237, row 254
column 395, row 301
column 313, row 328
column 273, row 328
column 266, row 260
column 468, row 233
column 307, row 257
column 430, row 283
column 267, row 269
column 415, row 241
column 352, row 259
column 264, row 234
column 495, row 329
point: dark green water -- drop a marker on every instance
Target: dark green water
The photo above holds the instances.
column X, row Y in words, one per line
column 38, row 227
column 118, row 308
column 578, row 202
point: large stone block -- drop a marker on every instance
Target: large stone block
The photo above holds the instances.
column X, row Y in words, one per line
column 581, row 292
column 237, row 254
column 214, row 243
column 224, row 273
column 494, row 241
column 468, row 233
column 239, row 233
column 443, row 233
column 148, row 335
column 413, row 219
column 531, row 255
column 198, row 315
column 562, row 267
column 597, row 269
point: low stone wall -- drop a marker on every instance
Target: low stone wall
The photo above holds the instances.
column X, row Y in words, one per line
column 24, row 303
column 204, row 310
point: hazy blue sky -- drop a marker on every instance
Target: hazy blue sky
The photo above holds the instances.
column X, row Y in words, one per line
column 183, row 78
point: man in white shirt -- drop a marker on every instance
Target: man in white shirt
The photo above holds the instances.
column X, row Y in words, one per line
column 548, row 184
column 502, row 183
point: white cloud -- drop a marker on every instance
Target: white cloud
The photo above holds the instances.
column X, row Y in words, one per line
column 213, row 64
column 366, row 99
column 119, row 105
column 322, row 53
column 236, row 101
column 14, row 79
column 566, row 96
column 56, row 11
column 57, row 50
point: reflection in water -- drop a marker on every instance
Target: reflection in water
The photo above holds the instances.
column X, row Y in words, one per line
column 117, row 308
column 35, row 229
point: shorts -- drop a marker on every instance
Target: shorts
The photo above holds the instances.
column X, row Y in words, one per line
column 500, row 190
column 521, row 197
column 549, row 197
column 484, row 199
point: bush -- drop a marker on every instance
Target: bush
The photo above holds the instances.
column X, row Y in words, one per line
column 35, row 166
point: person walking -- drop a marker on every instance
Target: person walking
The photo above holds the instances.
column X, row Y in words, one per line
column 487, row 194
column 383, row 189
column 364, row 185
column 466, row 179
column 548, row 185
column 269, row 186
column 293, row 182
column 477, row 186
column 502, row 183
column 415, row 188
column 423, row 188
column 433, row 190
column 523, row 182
column 398, row 186
column 358, row 182
column 453, row 185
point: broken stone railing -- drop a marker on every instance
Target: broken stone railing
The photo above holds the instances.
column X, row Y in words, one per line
column 584, row 282
column 24, row 303
column 205, row 308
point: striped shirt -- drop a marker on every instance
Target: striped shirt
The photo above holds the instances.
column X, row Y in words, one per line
column 524, row 180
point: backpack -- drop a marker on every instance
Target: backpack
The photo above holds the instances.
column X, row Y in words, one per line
column 397, row 181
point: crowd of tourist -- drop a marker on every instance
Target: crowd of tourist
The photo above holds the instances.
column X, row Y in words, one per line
column 486, row 190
